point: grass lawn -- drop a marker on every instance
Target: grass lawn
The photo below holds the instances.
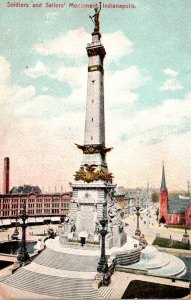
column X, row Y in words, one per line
column 168, row 243
column 150, row 290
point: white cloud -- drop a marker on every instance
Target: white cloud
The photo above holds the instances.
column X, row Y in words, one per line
column 37, row 71
column 23, row 94
column 74, row 76
column 143, row 139
column 171, row 84
column 45, row 89
column 5, row 89
column 4, row 69
column 171, row 72
column 120, row 86
column 72, row 44
column 117, row 45
column 154, row 124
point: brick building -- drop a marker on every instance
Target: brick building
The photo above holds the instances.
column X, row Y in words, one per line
column 41, row 208
column 175, row 210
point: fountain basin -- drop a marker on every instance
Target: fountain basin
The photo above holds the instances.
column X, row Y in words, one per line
column 160, row 263
column 12, row 247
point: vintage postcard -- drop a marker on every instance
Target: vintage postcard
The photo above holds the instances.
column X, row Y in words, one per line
column 95, row 154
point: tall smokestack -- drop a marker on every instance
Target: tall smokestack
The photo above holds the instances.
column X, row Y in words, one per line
column 6, row 175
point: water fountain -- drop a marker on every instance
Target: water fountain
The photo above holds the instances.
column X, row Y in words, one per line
column 159, row 263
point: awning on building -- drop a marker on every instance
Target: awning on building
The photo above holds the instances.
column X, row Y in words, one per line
column 21, row 222
column 31, row 220
column 6, row 222
column 46, row 218
column 39, row 219
column 1, row 223
column 55, row 219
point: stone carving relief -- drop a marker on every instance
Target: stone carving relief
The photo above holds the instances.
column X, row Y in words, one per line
column 90, row 174
column 114, row 212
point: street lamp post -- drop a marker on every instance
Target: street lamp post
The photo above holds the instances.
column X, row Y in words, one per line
column 157, row 214
column 16, row 232
column 23, row 255
column 102, row 263
column 137, row 231
column 185, row 238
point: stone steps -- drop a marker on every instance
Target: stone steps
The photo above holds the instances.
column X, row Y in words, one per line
column 105, row 292
column 64, row 261
column 55, row 286
column 128, row 258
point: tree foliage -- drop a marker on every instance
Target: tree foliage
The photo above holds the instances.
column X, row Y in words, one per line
column 155, row 197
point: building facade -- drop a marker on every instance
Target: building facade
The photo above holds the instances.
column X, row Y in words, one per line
column 40, row 207
column 174, row 210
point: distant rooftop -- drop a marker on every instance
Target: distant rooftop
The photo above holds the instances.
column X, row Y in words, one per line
column 25, row 189
column 178, row 204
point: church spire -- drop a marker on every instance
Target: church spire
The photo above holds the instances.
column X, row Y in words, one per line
column 163, row 181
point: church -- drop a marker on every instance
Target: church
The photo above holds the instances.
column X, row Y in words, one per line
column 174, row 210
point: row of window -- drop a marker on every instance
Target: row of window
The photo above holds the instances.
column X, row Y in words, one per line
column 9, row 213
column 38, row 205
column 31, row 200
column 174, row 218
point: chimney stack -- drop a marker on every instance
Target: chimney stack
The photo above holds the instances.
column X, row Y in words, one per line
column 6, row 175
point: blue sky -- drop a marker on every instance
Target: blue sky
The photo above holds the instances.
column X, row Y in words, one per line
column 43, row 74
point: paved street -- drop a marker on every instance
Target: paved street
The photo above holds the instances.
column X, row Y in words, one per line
column 150, row 227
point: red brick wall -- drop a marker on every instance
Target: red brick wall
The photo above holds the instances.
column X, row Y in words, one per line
column 164, row 204
column 175, row 219
column 188, row 216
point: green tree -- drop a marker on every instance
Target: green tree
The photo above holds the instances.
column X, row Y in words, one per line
column 155, row 197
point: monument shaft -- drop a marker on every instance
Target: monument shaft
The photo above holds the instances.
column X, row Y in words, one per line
column 92, row 198
column 95, row 123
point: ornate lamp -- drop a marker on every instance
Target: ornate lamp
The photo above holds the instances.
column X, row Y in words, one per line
column 16, row 232
column 137, row 231
column 23, row 255
column 102, row 263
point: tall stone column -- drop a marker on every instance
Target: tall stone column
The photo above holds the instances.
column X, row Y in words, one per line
column 92, row 180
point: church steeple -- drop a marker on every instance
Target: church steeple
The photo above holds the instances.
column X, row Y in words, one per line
column 163, row 181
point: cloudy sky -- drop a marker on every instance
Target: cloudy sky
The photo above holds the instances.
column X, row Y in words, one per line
column 43, row 75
